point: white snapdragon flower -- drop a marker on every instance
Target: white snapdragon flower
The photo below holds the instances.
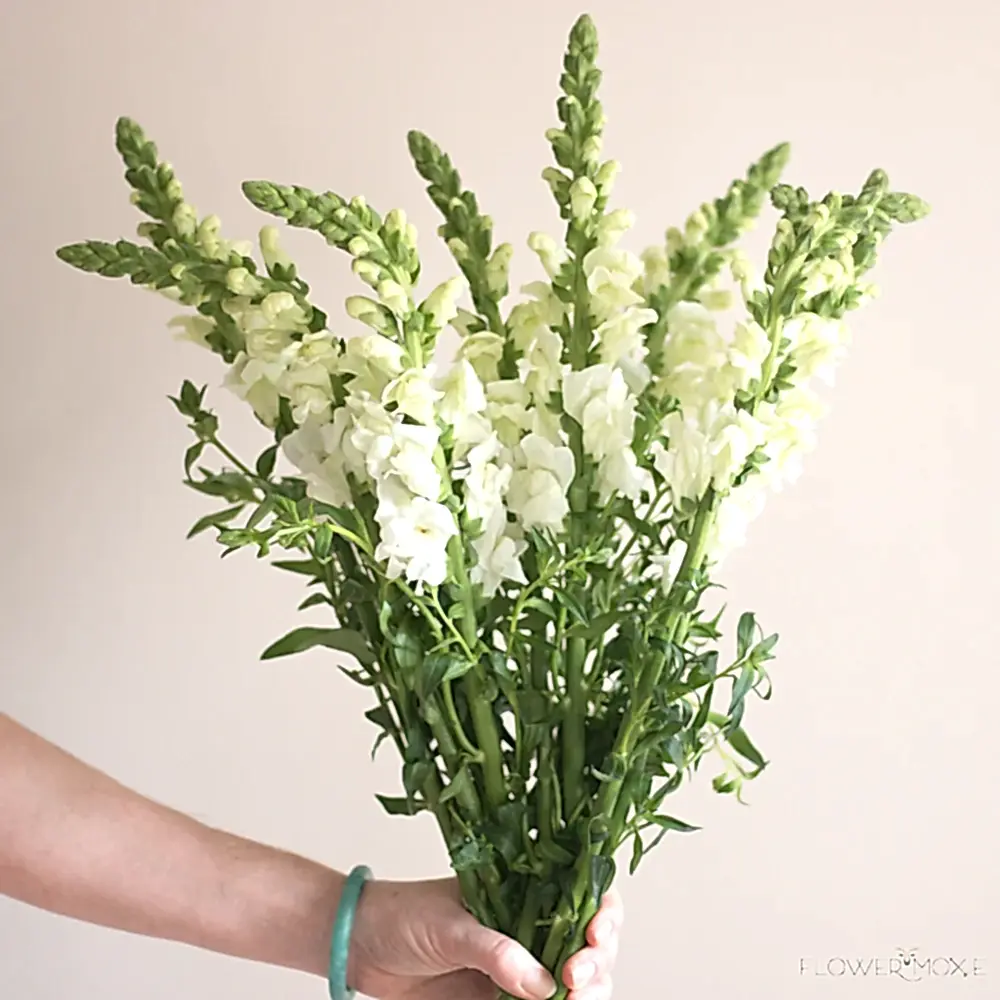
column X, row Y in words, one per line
column 707, row 447
column 498, row 558
column 656, row 269
column 507, row 403
column 462, row 394
column 412, row 459
column 540, row 365
column 414, row 535
column 440, row 307
column 271, row 249
column 598, row 399
column 373, row 360
column 486, row 479
column 790, row 433
column 829, row 274
column 306, row 381
column 619, row 472
column 622, row 345
column 483, row 350
column 683, row 465
column 255, row 381
column 371, row 440
column 540, row 483
column 315, row 449
column 550, row 253
column 241, row 282
column 582, row 198
column 747, row 353
column 414, row 394
column 818, row 343
column 613, row 226
column 194, row 328
column 611, row 277
column 735, row 514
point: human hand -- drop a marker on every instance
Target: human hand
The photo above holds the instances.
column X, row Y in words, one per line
column 416, row 941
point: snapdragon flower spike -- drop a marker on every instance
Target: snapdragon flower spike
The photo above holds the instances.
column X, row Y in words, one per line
column 515, row 543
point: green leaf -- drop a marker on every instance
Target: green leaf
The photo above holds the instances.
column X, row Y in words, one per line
column 323, row 541
column 191, row 456
column 312, row 600
column 742, row 744
column 342, row 639
column 761, row 653
column 305, row 567
column 407, row 650
column 398, row 806
column 637, row 852
column 436, row 668
column 672, row 823
column 602, row 872
column 534, row 708
column 380, row 716
column 745, row 633
column 214, row 520
column 461, row 783
column 358, row 676
column 266, row 462
column 470, row 855
column 741, row 686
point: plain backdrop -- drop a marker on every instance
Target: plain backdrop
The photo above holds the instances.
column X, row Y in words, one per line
column 875, row 826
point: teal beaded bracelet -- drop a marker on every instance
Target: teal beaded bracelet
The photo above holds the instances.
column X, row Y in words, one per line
column 340, row 941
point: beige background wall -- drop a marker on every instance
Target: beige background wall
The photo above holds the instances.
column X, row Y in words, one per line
column 138, row 651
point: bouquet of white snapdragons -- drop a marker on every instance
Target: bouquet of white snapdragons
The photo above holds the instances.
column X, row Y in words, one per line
column 514, row 543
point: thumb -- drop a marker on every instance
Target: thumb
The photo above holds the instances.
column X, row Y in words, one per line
column 511, row 966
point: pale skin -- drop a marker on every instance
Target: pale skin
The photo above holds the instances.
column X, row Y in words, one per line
column 76, row 842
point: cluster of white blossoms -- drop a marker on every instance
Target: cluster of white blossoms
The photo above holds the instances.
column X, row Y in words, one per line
column 714, row 351
column 483, row 447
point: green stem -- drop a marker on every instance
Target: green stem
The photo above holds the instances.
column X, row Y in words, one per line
column 573, row 727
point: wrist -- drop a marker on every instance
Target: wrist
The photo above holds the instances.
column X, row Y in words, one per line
column 281, row 909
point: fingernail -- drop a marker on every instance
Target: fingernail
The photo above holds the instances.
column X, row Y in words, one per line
column 538, row 983
column 582, row 974
column 602, row 931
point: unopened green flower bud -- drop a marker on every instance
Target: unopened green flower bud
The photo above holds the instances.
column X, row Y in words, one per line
column 582, row 197
column 241, row 282
column 173, row 190
column 459, row 249
column 395, row 221
column 369, row 312
column 695, row 228
column 367, row 270
column 606, row 175
column 558, row 182
column 592, row 148
column 393, row 296
column 498, row 269
column 185, row 220
column 357, row 246
column 674, row 239
column 411, row 235
column 145, row 230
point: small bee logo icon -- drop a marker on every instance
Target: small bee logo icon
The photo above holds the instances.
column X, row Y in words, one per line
column 907, row 958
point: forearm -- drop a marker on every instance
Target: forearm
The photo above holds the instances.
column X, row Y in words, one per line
column 76, row 842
